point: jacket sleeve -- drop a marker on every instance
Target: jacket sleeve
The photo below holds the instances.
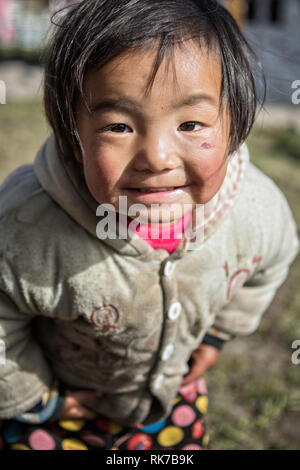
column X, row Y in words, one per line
column 25, row 374
column 242, row 315
column 49, row 408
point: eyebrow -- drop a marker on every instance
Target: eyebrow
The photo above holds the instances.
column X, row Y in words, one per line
column 127, row 105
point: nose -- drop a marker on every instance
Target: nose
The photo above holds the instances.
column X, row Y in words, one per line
column 157, row 153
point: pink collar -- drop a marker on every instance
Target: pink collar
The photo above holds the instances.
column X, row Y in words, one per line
column 166, row 237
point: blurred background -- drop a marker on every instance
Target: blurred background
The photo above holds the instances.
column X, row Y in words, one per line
column 254, row 390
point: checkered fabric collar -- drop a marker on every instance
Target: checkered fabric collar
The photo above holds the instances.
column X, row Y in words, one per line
column 208, row 216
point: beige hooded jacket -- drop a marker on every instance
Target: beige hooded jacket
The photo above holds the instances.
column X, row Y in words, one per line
column 115, row 315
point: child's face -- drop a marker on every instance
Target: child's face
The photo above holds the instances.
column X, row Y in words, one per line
column 172, row 137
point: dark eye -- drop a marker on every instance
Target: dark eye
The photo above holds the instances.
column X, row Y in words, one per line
column 119, row 128
column 190, row 126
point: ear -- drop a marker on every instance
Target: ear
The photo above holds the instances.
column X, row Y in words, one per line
column 78, row 156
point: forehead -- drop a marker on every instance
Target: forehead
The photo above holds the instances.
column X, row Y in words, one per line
column 189, row 70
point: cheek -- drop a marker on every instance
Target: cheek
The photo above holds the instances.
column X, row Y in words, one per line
column 103, row 169
column 208, row 162
column 208, row 153
column 206, row 146
column 101, row 177
column 106, row 171
column 208, row 168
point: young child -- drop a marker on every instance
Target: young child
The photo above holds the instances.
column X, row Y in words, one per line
column 107, row 336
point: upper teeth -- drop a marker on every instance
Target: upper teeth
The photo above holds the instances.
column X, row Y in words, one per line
column 154, row 190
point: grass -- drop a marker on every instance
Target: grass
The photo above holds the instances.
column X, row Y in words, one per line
column 31, row 56
column 255, row 393
column 254, row 397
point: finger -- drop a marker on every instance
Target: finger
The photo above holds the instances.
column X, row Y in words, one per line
column 78, row 412
column 195, row 372
column 75, row 398
column 204, row 357
column 197, row 369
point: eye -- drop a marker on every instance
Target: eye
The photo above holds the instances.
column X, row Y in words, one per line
column 118, row 128
column 190, row 126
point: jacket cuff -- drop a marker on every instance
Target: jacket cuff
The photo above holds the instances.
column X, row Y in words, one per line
column 213, row 341
column 217, row 338
column 48, row 409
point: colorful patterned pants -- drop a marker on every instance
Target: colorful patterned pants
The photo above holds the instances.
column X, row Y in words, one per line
column 183, row 429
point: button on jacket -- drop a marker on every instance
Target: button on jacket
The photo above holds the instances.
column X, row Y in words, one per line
column 115, row 315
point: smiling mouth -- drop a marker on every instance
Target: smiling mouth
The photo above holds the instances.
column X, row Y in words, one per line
column 157, row 190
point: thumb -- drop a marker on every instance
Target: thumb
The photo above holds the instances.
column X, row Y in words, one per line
column 204, row 357
column 196, row 370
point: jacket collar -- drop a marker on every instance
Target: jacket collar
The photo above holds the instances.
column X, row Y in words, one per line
column 64, row 181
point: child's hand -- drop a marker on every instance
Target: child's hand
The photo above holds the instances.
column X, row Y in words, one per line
column 204, row 357
column 75, row 404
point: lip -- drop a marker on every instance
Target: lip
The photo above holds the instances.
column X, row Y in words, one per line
column 156, row 196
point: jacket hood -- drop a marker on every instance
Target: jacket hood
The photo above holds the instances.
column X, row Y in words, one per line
column 64, row 182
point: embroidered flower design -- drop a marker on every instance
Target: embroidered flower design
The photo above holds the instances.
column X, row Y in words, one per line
column 106, row 318
column 239, row 277
column 236, row 281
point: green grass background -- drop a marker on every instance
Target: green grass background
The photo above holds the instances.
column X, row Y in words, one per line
column 254, row 389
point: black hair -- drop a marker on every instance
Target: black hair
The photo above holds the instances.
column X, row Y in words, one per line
column 93, row 32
